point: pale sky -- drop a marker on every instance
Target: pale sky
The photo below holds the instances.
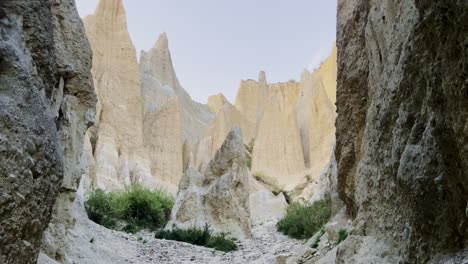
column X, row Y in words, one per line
column 216, row 43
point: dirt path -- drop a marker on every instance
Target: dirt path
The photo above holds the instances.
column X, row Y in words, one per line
column 89, row 243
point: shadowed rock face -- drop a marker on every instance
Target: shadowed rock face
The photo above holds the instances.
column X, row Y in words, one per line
column 47, row 102
column 402, row 127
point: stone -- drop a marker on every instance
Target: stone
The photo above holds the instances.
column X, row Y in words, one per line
column 43, row 118
column 264, row 205
column 402, row 126
column 220, row 196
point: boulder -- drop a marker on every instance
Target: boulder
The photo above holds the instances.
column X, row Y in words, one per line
column 220, row 196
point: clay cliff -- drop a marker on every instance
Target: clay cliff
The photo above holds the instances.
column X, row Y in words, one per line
column 327, row 72
column 159, row 83
column 316, row 121
column 278, row 151
column 226, row 118
column 118, row 150
column 163, row 143
column 250, row 102
column 47, row 103
column 402, row 130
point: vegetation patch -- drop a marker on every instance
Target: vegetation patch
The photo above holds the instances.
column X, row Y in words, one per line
column 130, row 210
column 248, row 153
column 342, row 235
column 275, row 187
column 303, row 221
column 200, row 237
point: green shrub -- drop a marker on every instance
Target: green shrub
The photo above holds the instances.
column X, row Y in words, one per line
column 129, row 210
column 342, row 235
column 144, row 208
column 200, row 237
column 100, row 208
column 303, row 221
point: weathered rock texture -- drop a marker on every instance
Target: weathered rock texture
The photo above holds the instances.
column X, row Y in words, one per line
column 118, row 149
column 402, row 128
column 264, row 205
column 47, row 103
column 327, row 72
column 159, row 83
column 226, row 118
column 278, row 151
column 219, row 197
column 316, row 120
column 163, row 143
column 250, row 101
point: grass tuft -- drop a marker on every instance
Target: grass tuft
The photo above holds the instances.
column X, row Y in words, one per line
column 342, row 235
column 303, row 221
column 200, row 237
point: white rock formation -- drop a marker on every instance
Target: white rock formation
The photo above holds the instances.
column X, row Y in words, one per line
column 159, row 83
column 250, row 101
column 316, row 120
column 163, row 143
column 118, row 152
column 278, row 151
column 328, row 73
column 219, row 197
column 264, row 205
column 226, row 118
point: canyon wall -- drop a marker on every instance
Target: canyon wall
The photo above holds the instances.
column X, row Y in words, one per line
column 250, row 101
column 159, row 83
column 226, row 118
column 277, row 150
column 118, row 148
column 402, row 128
column 47, row 103
column 316, row 121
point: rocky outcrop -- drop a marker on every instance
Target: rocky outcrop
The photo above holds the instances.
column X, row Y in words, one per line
column 250, row 102
column 402, row 130
column 159, row 83
column 278, row 151
column 47, row 103
column 226, row 118
column 220, row 196
column 118, row 151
